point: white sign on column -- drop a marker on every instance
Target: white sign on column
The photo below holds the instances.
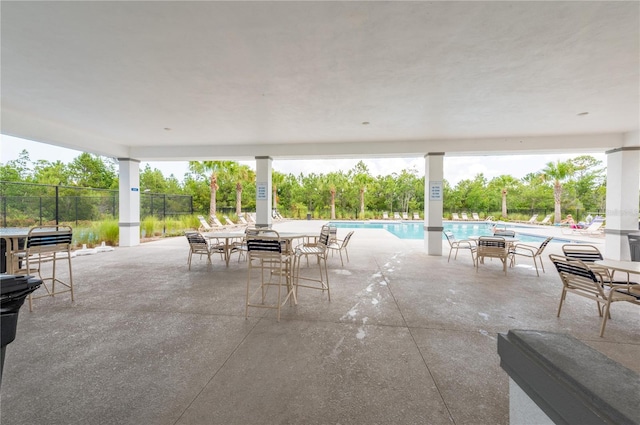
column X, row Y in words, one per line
column 435, row 191
column 261, row 191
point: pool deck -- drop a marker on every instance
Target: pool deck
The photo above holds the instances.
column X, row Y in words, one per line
column 407, row 338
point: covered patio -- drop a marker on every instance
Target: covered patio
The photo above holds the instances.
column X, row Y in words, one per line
column 149, row 342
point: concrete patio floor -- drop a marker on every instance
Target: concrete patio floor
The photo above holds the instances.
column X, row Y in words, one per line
column 407, row 338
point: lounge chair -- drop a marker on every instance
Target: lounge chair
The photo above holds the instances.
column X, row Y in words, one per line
column 454, row 216
column 416, row 216
column 204, row 225
column 545, row 220
column 532, row 220
column 405, row 216
column 464, row 216
column 475, row 216
column 594, row 229
column 460, row 244
column 385, row 216
column 217, row 222
column 396, row 216
column 243, row 221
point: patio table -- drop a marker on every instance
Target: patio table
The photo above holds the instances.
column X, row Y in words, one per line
column 228, row 244
column 11, row 238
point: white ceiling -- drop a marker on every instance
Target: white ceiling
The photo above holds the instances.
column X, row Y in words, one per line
column 299, row 79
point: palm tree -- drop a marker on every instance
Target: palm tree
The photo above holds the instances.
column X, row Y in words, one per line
column 277, row 179
column 362, row 179
column 241, row 174
column 212, row 168
column 558, row 172
column 505, row 182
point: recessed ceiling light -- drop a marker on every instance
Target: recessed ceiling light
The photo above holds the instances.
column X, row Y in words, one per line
column 582, row 114
column 365, row 122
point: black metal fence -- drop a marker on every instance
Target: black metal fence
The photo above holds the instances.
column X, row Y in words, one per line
column 28, row 204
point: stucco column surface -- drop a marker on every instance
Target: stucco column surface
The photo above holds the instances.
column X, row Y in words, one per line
column 263, row 191
column 623, row 186
column 433, row 202
column 129, row 205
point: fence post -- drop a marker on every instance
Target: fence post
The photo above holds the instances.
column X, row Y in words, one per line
column 57, row 204
column 76, row 210
column 40, row 199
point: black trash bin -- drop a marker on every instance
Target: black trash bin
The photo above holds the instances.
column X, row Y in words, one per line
column 308, row 216
column 13, row 291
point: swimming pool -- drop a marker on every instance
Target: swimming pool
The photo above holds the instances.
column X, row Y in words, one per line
column 407, row 230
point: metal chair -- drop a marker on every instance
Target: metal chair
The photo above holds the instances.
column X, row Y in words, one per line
column 492, row 247
column 46, row 244
column 580, row 279
column 533, row 252
column 341, row 245
column 270, row 255
column 320, row 251
column 198, row 245
column 460, row 244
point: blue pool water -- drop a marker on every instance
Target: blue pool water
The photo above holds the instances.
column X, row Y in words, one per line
column 406, row 230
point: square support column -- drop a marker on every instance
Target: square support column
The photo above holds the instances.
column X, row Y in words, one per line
column 129, row 208
column 623, row 185
column 263, row 191
column 433, row 201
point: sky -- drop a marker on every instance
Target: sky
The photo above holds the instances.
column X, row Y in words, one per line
column 456, row 168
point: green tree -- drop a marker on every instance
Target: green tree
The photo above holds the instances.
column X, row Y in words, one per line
column 211, row 169
column 361, row 179
column 88, row 170
column 558, row 173
column 504, row 183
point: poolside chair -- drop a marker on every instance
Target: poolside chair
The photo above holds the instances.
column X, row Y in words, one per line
column 385, row 216
column 204, row 225
column 198, row 245
column 396, row 216
column 454, row 216
column 464, row 216
column 416, row 216
column 594, row 229
column 460, row 244
column 272, row 264
column 532, row 220
column 533, row 252
column 504, row 233
column 475, row 216
column 46, row 244
column 320, row 251
column 492, row 247
column 545, row 220
column 405, row 216
column 590, row 254
column 243, row 221
column 217, row 222
column 580, row 279
column 341, row 245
